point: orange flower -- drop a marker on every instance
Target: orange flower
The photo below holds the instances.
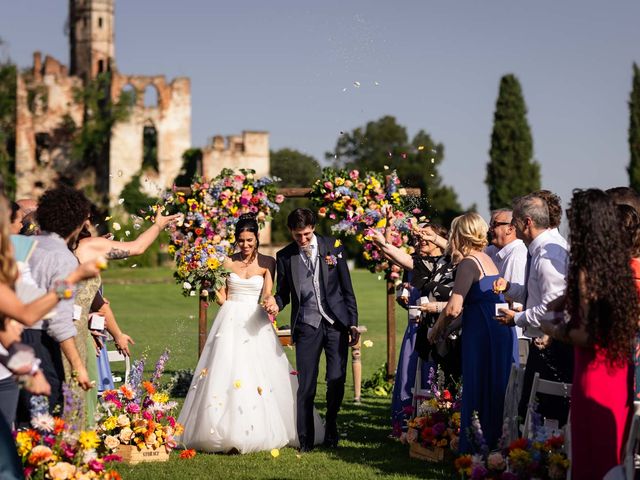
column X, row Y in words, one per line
column 463, row 464
column 127, row 392
column 35, row 436
column 58, row 425
column 148, row 386
column 40, row 454
column 112, row 475
column 188, row 454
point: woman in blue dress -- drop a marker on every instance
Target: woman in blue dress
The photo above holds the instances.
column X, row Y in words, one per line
column 487, row 346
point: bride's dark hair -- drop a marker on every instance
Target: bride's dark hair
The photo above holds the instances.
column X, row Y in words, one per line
column 248, row 223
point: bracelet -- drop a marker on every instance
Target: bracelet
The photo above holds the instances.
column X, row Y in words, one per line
column 63, row 289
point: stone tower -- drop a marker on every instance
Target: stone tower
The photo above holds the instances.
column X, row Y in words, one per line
column 91, row 37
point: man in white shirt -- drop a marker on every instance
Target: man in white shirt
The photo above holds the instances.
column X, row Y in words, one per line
column 547, row 270
column 510, row 256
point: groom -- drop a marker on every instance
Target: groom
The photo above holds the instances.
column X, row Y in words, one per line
column 312, row 274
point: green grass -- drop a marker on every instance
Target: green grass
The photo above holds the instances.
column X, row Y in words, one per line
column 154, row 312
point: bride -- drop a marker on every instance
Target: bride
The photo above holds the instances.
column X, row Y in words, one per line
column 242, row 396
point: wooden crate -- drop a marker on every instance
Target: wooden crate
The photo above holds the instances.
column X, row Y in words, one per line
column 430, row 454
column 132, row 455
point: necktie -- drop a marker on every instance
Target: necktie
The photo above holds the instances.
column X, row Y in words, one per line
column 308, row 253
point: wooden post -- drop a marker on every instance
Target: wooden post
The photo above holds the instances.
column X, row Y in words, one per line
column 391, row 330
column 202, row 323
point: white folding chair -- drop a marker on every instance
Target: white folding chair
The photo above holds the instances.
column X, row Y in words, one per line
column 511, row 400
column 417, row 391
column 548, row 387
column 115, row 356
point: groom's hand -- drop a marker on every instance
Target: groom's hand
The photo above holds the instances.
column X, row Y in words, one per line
column 270, row 306
column 354, row 336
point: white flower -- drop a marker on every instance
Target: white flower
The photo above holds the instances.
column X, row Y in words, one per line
column 111, row 442
column 125, row 435
column 116, row 226
column 43, row 422
column 186, row 286
column 89, row 455
column 192, row 293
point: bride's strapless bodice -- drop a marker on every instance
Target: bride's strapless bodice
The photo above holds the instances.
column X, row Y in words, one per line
column 244, row 289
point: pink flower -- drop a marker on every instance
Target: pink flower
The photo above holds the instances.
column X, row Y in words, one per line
column 328, row 185
column 112, row 458
column 172, row 421
column 96, row 466
column 353, row 174
column 279, row 198
column 133, row 408
column 147, row 415
column 332, row 216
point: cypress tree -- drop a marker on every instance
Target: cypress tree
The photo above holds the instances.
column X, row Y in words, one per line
column 634, row 131
column 511, row 171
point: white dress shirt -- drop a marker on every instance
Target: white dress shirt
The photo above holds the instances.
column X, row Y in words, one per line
column 511, row 261
column 546, row 282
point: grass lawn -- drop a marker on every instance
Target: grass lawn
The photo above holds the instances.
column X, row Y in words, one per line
column 153, row 311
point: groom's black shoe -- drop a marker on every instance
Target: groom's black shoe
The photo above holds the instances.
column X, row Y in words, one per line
column 305, row 448
column 330, row 436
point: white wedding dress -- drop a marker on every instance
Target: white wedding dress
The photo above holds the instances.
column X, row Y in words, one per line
column 243, row 392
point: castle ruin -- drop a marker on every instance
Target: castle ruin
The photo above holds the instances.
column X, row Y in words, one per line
column 149, row 142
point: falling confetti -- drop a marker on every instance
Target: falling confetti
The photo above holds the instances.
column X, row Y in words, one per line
column 376, row 83
column 120, row 172
column 237, row 384
column 107, row 219
column 127, row 233
column 120, row 201
column 134, row 265
column 337, row 243
column 421, row 147
column 367, row 343
column 259, row 390
column 403, row 155
column 356, row 84
column 386, row 167
column 116, row 226
column 136, row 226
column 344, row 89
column 293, row 372
column 275, row 453
column 433, row 160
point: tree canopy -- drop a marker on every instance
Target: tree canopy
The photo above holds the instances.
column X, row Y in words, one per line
column 384, row 142
column 511, row 172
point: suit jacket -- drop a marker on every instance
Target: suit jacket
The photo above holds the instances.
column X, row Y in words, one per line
column 339, row 296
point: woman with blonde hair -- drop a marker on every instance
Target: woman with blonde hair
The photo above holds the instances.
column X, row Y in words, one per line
column 487, row 346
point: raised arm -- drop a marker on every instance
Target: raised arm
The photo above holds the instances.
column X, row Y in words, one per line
column 395, row 254
column 32, row 312
column 114, row 250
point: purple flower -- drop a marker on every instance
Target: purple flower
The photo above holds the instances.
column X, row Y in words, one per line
column 160, row 364
column 479, row 472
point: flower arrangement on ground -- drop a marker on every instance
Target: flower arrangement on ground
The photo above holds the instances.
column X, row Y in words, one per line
column 139, row 413
column 358, row 201
column 211, row 209
column 437, row 423
column 541, row 457
column 55, row 448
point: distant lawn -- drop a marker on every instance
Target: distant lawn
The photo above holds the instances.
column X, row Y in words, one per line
column 156, row 315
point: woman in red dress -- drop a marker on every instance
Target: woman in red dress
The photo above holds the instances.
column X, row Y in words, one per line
column 603, row 311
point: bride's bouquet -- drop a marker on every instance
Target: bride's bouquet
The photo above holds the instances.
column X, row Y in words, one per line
column 211, row 209
column 139, row 413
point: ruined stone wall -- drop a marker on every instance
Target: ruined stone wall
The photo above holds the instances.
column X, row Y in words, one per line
column 171, row 118
column 45, row 101
column 249, row 150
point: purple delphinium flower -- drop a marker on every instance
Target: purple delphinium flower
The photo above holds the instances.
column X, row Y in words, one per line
column 160, row 364
column 135, row 376
column 39, row 404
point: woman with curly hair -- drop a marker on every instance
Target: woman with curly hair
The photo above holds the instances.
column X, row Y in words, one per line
column 601, row 303
column 487, row 346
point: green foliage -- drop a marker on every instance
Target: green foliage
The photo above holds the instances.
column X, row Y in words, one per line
column 634, row 131
column 386, row 143
column 296, row 169
column 135, row 200
column 191, row 167
column 8, row 79
column 511, row 172
column 90, row 145
column 378, row 384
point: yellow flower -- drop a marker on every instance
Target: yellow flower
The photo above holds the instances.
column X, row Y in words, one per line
column 381, row 223
column 171, row 250
column 366, row 255
column 25, row 443
column 160, row 397
column 89, row 439
column 337, row 243
column 110, row 423
column 213, row 263
column 339, row 181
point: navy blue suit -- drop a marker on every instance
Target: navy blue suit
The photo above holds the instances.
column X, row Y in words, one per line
column 339, row 303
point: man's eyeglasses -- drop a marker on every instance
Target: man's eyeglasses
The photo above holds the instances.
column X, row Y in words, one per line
column 494, row 225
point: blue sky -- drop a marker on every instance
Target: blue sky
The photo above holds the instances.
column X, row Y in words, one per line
column 289, row 67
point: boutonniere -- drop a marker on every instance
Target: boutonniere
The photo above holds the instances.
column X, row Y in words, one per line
column 331, row 260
